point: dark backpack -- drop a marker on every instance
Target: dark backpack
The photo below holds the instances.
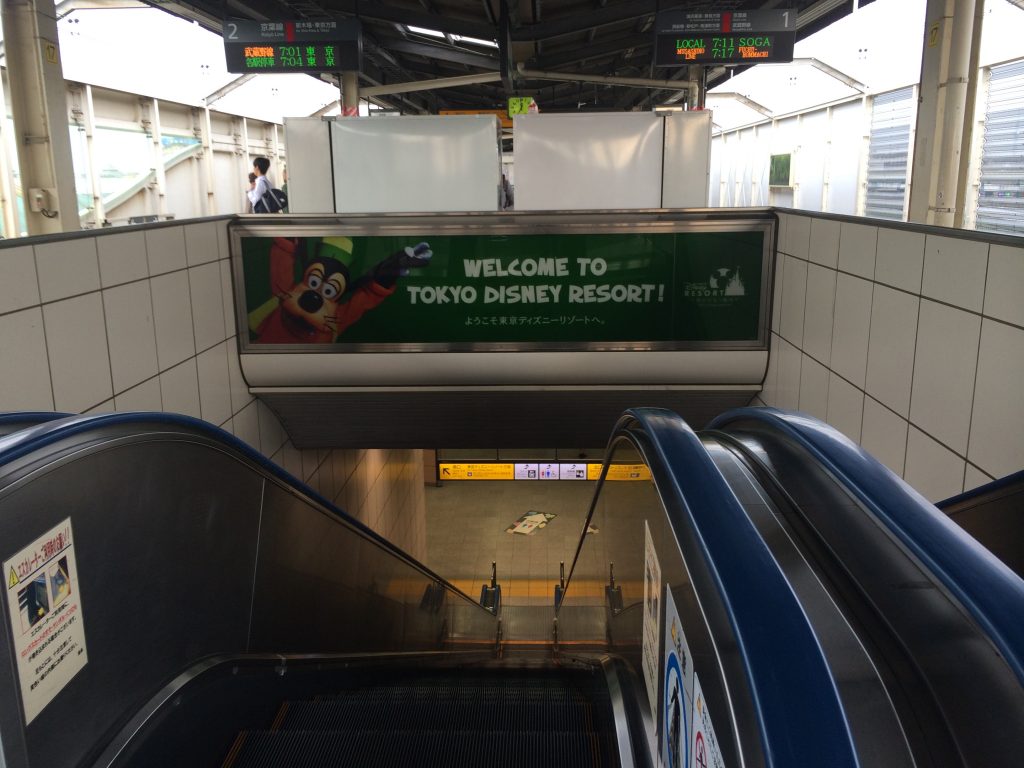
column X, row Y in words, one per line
column 273, row 201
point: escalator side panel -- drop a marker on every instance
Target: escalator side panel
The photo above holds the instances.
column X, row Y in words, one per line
column 166, row 513
column 166, row 548
column 994, row 515
column 320, row 590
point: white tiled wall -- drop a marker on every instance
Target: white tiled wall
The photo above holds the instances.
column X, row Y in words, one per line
column 143, row 321
column 910, row 344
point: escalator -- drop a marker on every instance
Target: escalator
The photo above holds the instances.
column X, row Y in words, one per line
column 773, row 597
column 994, row 515
column 403, row 712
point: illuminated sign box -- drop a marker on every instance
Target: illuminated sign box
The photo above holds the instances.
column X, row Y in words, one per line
column 672, row 50
column 724, row 37
column 339, row 291
column 549, row 471
column 292, row 46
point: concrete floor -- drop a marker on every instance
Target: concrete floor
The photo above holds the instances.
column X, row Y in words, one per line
column 466, row 531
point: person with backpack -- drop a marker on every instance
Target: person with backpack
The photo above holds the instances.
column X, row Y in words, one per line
column 263, row 196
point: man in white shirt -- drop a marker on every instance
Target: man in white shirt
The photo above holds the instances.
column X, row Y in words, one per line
column 260, row 166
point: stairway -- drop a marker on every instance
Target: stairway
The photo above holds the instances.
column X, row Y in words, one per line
column 493, row 717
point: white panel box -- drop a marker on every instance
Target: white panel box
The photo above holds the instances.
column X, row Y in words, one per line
column 589, row 161
column 421, row 164
column 687, row 167
column 310, row 185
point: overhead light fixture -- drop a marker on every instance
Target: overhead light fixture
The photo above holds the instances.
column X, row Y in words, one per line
column 476, row 41
column 424, row 31
column 454, row 38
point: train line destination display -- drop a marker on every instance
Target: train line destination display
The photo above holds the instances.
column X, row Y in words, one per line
column 309, row 45
column 724, row 37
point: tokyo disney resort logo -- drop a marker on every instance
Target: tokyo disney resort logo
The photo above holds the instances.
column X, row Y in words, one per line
column 723, row 285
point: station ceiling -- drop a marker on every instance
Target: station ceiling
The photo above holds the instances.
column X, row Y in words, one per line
column 423, row 40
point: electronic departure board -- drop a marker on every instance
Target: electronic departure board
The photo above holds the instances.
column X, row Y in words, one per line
column 724, row 37
column 292, row 46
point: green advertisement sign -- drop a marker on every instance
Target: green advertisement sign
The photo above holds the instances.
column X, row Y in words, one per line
column 555, row 290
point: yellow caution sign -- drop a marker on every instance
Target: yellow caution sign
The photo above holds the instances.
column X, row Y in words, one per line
column 51, row 53
column 12, row 579
column 475, row 471
column 933, row 35
column 620, row 472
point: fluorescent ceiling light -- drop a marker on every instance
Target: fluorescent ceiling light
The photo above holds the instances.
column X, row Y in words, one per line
column 425, row 31
column 454, row 38
column 476, row 41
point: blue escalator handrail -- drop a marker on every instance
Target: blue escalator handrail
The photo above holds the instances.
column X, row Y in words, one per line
column 794, row 694
column 19, row 444
column 990, row 591
column 33, row 417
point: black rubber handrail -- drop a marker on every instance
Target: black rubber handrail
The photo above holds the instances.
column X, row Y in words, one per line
column 987, row 588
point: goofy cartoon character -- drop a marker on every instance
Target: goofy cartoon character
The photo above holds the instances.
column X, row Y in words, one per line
column 313, row 310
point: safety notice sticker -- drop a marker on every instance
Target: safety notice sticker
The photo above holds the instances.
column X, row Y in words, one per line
column 704, row 748
column 677, row 705
column 45, row 607
column 652, row 615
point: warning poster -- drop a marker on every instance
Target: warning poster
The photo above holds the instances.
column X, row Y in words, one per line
column 704, row 751
column 652, row 614
column 45, row 607
column 677, row 706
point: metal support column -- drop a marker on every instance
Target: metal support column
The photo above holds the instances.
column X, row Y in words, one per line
column 246, row 157
column 39, row 105
column 7, row 202
column 350, row 94
column 696, row 86
column 98, row 213
column 206, row 132
column 944, row 113
column 159, row 166
column 967, row 142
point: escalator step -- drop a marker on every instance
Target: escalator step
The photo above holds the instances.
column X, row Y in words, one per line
column 429, row 749
column 489, row 688
column 437, row 712
column 477, row 696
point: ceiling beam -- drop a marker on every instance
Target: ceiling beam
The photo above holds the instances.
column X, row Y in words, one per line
column 444, row 24
column 429, row 85
column 224, row 90
column 747, row 102
column 442, row 53
column 490, row 13
column 580, row 53
column 598, row 17
column 635, row 82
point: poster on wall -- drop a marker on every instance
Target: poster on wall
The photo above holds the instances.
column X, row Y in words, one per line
column 664, row 290
column 45, row 606
column 651, row 659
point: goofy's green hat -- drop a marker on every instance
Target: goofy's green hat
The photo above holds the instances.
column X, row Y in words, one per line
column 335, row 253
